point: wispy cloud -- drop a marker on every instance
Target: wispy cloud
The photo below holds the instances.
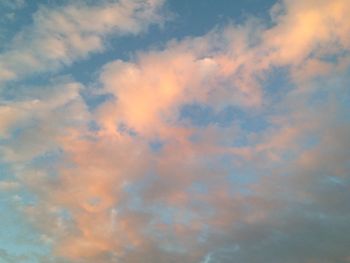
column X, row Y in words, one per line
column 67, row 33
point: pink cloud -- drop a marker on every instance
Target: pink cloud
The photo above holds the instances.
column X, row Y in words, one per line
column 223, row 67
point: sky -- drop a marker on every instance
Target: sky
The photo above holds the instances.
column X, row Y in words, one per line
column 159, row 131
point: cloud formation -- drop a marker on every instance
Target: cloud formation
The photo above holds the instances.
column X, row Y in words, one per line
column 137, row 179
column 63, row 35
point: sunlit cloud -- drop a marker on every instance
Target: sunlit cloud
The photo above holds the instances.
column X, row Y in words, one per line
column 231, row 146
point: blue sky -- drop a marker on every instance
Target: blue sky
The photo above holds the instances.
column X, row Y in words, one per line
column 174, row 131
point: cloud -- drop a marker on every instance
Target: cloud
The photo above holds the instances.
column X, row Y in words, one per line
column 308, row 31
column 151, row 90
column 60, row 36
column 211, row 193
column 32, row 126
column 8, row 185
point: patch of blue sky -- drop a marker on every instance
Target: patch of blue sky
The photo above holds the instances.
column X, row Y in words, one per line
column 237, row 177
column 34, row 87
column 135, row 189
column 156, row 145
column 252, row 122
column 243, row 176
column 198, row 17
column 48, row 162
column 48, row 158
column 26, row 198
column 332, row 90
column 276, row 83
column 344, row 100
column 310, row 141
column 125, row 129
column 331, row 58
column 164, row 214
column 319, row 98
column 171, row 215
column 17, row 236
column 14, row 15
column 198, row 188
column 93, row 126
column 343, row 95
column 198, row 114
column 203, row 115
column 17, row 131
column 5, row 144
column 93, row 100
column 5, row 171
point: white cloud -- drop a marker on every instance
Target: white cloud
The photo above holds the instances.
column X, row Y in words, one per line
column 63, row 35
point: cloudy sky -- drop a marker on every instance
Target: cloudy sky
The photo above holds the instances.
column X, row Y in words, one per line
column 174, row 131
